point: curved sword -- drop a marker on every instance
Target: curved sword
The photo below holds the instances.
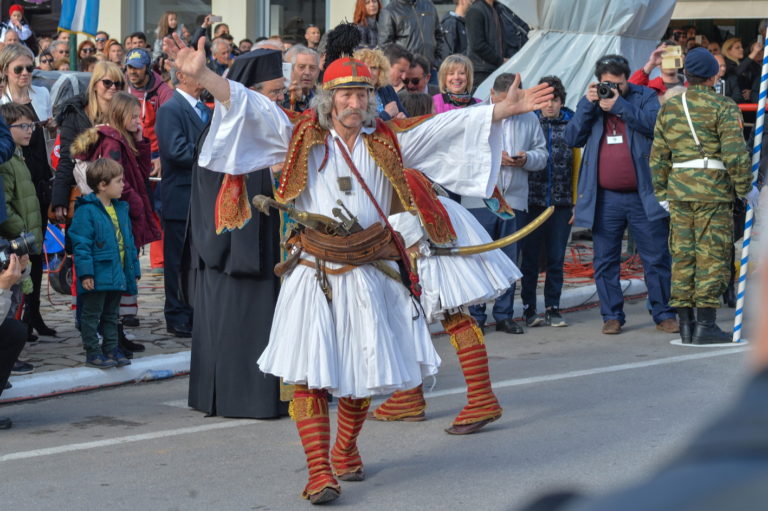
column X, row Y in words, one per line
column 499, row 243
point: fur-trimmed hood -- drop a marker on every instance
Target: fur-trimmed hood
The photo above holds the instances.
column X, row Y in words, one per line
column 86, row 141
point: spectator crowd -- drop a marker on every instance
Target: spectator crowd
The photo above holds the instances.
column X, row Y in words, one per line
column 120, row 177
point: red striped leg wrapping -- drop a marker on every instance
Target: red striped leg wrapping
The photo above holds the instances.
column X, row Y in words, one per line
column 309, row 408
column 468, row 340
column 345, row 457
column 401, row 404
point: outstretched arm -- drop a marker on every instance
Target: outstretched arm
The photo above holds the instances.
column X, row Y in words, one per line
column 520, row 101
column 191, row 62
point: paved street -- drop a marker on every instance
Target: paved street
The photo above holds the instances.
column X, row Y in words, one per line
column 582, row 410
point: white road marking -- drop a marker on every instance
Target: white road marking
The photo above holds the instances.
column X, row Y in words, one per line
column 126, row 439
column 447, row 392
column 589, row 372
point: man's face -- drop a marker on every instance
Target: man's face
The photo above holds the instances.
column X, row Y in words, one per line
column 138, row 42
column 189, row 85
column 274, row 89
column 221, row 29
column 415, row 79
column 551, row 108
column 100, row 41
column 305, row 72
column 720, row 60
column 245, row 47
column 312, row 35
column 137, row 76
column 397, row 72
column 349, row 107
column 222, row 54
column 619, row 80
column 61, row 52
column 11, row 37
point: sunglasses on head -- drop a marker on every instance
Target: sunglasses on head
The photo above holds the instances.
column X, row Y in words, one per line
column 89, row 50
column 109, row 83
column 18, row 69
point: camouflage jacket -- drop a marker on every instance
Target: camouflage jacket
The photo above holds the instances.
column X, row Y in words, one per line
column 717, row 123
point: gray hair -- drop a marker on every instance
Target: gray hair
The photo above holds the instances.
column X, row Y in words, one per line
column 322, row 102
column 299, row 49
column 11, row 52
column 56, row 43
column 216, row 44
column 267, row 44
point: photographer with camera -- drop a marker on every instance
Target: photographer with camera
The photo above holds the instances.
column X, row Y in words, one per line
column 669, row 61
column 13, row 333
column 614, row 123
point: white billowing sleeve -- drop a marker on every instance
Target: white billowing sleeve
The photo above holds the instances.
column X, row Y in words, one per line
column 409, row 227
column 252, row 134
column 459, row 149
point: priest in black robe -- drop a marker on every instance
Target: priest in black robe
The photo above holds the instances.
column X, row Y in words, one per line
column 231, row 281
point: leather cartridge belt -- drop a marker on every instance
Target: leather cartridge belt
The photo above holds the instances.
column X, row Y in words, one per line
column 699, row 163
column 372, row 244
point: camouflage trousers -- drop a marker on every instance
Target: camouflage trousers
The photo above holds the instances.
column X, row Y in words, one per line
column 700, row 238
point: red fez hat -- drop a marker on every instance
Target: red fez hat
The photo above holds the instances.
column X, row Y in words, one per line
column 14, row 8
column 347, row 73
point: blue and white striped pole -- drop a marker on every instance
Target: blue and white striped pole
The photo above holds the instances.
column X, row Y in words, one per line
column 757, row 149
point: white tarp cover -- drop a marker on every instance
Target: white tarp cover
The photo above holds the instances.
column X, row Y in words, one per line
column 569, row 36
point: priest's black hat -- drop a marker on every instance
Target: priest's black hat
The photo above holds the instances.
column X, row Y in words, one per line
column 257, row 66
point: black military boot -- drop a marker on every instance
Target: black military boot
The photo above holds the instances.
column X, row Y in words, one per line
column 686, row 322
column 706, row 330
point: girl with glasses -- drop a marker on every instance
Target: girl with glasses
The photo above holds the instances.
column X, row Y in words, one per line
column 16, row 65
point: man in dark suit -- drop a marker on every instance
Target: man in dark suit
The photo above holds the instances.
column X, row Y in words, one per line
column 179, row 124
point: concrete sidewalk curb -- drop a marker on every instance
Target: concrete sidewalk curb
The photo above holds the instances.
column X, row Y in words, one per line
column 159, row 367
column 63, row 381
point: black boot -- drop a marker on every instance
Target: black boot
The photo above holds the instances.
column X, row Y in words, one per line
column 127, row 346
column 686, row 322
column 33, row 318
column 706, row 330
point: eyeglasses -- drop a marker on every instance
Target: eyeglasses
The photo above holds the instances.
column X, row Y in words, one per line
column 89, row 49
column 413, row 81
column 107, row 83
column 101, row 39
column 17, row 70
column 26, row 126
column 62, row 52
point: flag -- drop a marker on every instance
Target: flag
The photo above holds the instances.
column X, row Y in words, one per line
column 80, row 16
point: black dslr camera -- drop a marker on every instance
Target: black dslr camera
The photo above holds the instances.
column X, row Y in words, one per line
column 605, row 89
column 21, row 246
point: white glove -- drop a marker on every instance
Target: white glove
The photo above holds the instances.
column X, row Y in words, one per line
column 752, row 197
column 664, row 204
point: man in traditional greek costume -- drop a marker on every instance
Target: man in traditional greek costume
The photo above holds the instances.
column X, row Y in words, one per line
column 344, row 322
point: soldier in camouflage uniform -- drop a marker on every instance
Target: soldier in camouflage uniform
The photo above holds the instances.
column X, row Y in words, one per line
column 699, row 181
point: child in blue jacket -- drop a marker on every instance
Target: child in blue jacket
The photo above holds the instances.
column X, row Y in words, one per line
column 106, row 263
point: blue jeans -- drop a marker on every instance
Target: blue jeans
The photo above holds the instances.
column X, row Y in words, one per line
column 497, row 228
column 614, row 211
column 549, row 239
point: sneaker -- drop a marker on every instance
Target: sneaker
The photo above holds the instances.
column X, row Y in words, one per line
column 532, row 319
column 99, row 361
column 552, row 317
column 20, row 367
column 118, row 358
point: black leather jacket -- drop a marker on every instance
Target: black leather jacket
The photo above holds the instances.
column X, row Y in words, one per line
column 414, row 25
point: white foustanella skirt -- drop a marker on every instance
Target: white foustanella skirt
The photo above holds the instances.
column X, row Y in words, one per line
column 369, row 339
column 449, row 282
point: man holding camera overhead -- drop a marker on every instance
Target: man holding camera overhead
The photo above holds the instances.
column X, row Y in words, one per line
column 614, row 123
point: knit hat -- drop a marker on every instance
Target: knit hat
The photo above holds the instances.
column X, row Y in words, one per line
column 14, row 8
column 700, row 62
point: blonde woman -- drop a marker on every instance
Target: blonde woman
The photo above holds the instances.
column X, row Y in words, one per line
column 387, row 102
column 741, row 73
column 455, row 81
